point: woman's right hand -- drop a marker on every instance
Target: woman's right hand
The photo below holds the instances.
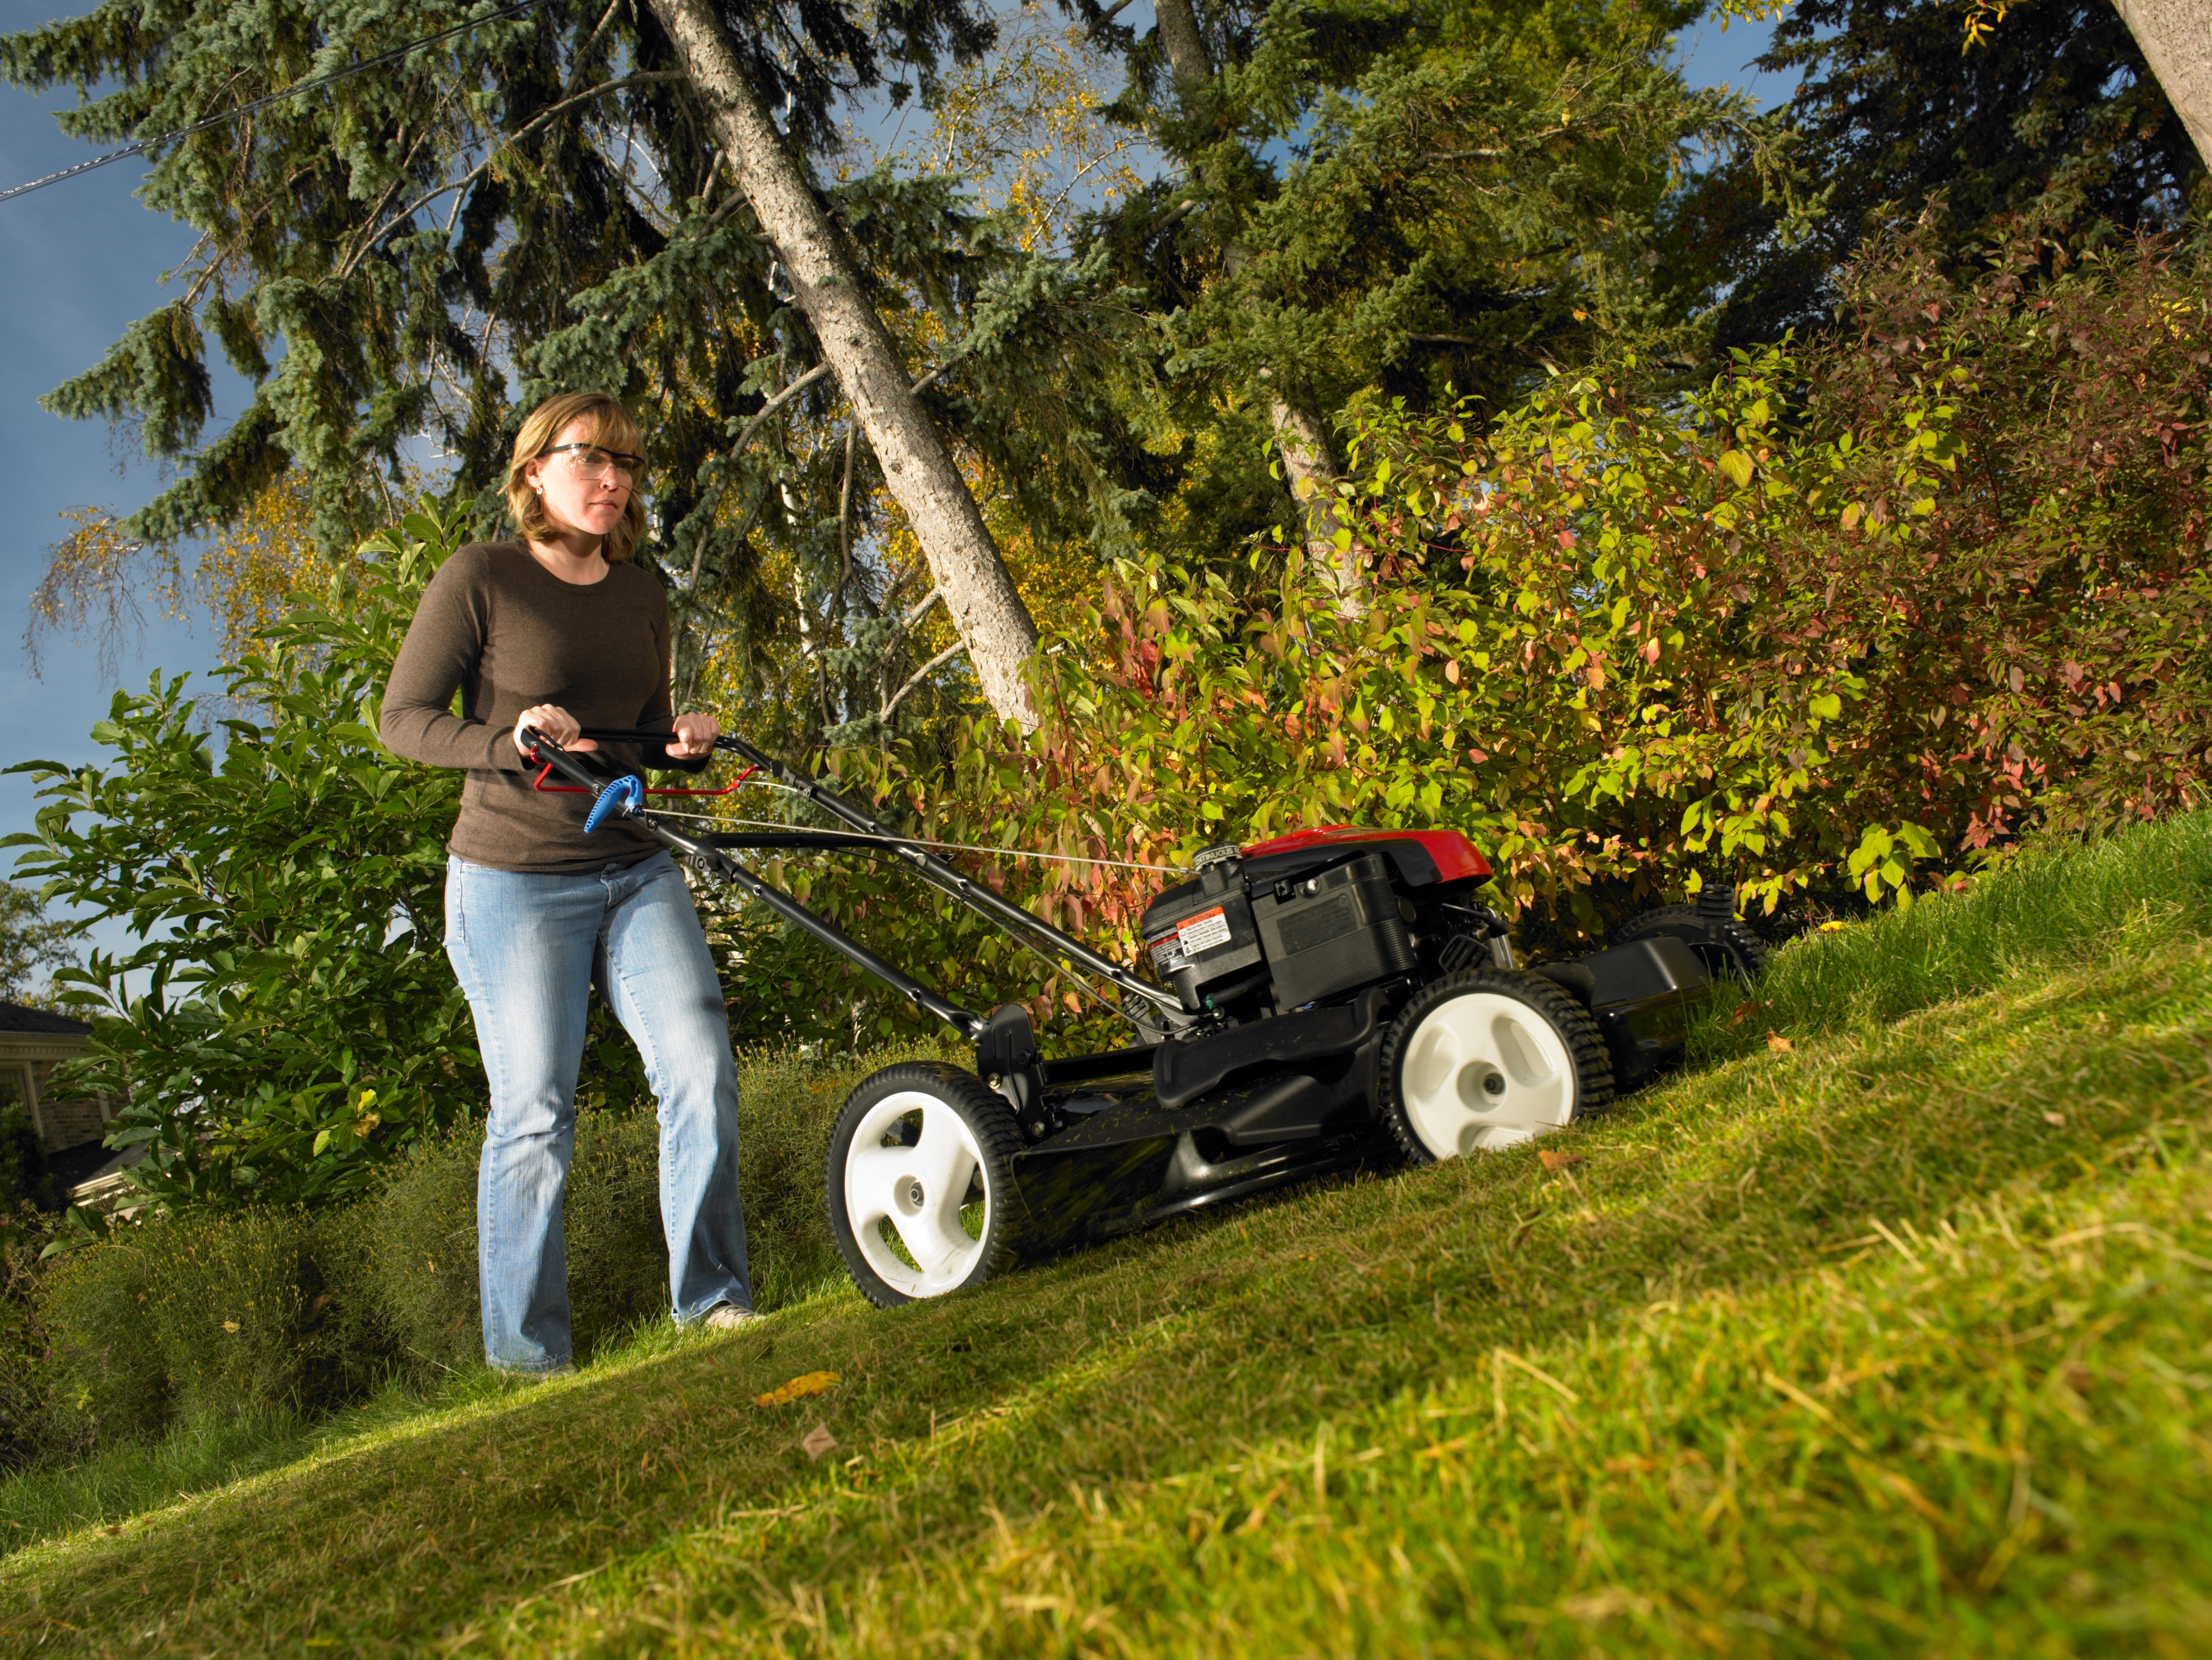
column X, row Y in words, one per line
column 551, row 721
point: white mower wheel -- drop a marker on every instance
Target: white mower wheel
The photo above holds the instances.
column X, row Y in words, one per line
column 1489, row 1058
column 921, row 1183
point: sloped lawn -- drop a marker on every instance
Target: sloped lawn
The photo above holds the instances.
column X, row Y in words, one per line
column 1897, row 1340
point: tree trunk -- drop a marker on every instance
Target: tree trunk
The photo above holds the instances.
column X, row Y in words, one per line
column 1311, row 470
column 985, row 606
column 1309, row 464
column 2176, row 38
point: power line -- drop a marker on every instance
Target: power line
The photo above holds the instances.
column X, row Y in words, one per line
column 145, row 144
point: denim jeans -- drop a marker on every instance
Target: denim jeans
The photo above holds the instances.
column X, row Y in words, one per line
column 527, row 947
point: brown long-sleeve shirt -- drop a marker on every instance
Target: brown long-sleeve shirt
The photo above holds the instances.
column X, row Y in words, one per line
column 506, row 633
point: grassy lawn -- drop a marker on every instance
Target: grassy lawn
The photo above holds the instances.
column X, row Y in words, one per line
column 1896, row 1339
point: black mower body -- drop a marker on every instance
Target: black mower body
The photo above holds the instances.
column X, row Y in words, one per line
column 1298, row 954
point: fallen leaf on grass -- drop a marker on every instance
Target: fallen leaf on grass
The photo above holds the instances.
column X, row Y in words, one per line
column 1743, row 1012
column 1775, row 1040
column 812, row 1382
column 1556, row 1162
column 2054, row 1118
column 819, row 1440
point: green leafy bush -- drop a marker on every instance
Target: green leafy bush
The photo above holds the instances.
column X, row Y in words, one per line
column 299, row 1024
column 193, row 1317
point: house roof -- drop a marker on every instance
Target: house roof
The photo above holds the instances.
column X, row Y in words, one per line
column 14, row 1017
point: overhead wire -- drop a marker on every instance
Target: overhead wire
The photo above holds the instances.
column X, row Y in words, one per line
column 293, row 91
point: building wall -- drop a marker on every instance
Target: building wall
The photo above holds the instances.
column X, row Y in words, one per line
column 66, row 1122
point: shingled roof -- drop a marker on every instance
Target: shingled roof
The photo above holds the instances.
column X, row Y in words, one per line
column 14, row 1017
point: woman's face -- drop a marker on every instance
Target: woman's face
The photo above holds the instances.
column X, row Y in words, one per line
column 573, row 499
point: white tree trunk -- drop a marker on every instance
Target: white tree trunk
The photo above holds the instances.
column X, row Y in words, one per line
column 985, row 606
column 2176, row 38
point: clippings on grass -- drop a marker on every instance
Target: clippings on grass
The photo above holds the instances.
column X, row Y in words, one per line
column 812, row 1382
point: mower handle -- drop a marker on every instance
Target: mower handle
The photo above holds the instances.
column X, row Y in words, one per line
column 976, row 896
column 963, row 1021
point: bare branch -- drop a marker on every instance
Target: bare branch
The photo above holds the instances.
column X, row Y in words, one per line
column 919, row 675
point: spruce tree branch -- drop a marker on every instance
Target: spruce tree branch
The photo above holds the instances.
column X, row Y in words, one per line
column 1098, row 28
column 584, row 52
column 492, row 153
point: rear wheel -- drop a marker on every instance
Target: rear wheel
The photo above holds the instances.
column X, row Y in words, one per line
column 1487, row 1059
column 921, row 1183
column 1727, row 944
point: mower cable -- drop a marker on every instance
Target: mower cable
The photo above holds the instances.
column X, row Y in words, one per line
column 1058, row 967
column 919, row 841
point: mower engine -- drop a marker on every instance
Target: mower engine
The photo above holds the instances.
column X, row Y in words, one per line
column 1318, row 915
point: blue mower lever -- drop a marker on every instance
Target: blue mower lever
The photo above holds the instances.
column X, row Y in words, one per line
column 618, row 799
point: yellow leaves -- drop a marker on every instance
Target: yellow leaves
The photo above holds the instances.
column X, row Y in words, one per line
column 1737, row 465
column 812, row 1382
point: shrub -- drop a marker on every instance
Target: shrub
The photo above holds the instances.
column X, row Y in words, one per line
column 26, row 1426
column 198, row 1315
column 215, row 1313
column 1842, row 624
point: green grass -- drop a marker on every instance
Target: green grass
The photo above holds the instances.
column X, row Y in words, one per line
column 1896, row 1341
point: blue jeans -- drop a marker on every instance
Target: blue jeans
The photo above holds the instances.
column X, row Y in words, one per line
column 526, row 947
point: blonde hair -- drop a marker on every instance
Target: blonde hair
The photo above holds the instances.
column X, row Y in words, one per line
column 611, row 428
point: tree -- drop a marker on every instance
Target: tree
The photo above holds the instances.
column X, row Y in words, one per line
column 1420, row 200
column 920, row 472
column 2176, row 39
column 2056, row 110
column 98, row 575
column 31, row 943
column 536, row 201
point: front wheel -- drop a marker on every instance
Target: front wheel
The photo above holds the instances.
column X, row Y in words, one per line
column 921, row 1183
column 1487, row 1059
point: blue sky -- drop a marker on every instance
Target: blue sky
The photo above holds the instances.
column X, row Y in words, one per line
column 87, row 259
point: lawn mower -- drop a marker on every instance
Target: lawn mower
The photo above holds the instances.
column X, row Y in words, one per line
column 1318, row 999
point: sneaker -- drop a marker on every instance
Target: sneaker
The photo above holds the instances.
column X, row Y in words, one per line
column 726, row 1317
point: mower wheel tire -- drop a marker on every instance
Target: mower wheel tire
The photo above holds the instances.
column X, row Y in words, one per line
column 1489, row 1058
column 922, row 1200
column 1726, row 946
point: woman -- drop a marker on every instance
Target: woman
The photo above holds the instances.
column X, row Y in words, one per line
column 557, row 631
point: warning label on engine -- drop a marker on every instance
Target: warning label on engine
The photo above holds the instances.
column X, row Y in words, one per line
column 1203, row 931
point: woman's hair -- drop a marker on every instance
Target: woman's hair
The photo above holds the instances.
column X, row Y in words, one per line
column 611, row 427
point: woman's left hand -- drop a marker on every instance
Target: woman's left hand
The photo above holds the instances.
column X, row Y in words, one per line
column 694, row 735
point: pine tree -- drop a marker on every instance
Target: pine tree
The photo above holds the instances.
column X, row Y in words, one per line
column 539, row 201
column 2054, row 110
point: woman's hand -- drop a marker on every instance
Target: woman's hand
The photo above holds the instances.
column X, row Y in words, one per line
column 694, row 735
column 551, row 721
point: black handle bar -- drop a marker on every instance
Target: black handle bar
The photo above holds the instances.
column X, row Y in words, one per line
column 963, row 1021
column 975, row 895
